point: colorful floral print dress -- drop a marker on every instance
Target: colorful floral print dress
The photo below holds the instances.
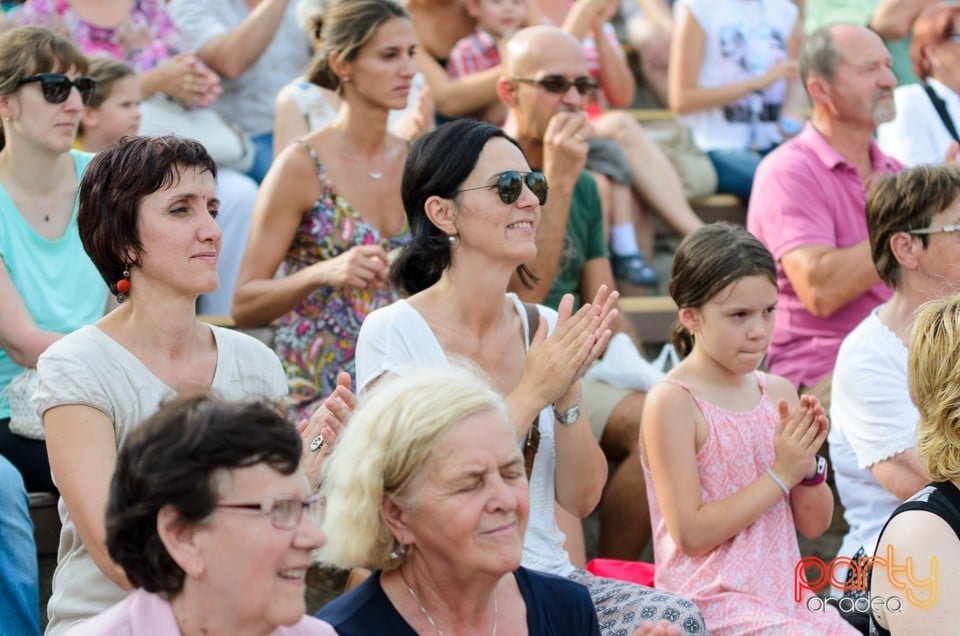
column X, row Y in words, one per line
column 317, row 339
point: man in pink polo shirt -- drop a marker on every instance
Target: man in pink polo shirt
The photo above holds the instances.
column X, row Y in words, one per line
column 808, row 204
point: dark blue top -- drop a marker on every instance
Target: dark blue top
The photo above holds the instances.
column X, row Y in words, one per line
column 555, row 607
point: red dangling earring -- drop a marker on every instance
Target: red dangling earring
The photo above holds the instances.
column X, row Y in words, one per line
column 123, row 286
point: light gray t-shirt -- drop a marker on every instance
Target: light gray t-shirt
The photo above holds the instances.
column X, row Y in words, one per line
column 88, row 367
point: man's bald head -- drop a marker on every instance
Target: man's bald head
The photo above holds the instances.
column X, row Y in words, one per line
column 528, row 47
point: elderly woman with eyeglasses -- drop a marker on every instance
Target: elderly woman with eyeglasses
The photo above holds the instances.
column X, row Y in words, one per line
column 213, row 522
column 912, row 219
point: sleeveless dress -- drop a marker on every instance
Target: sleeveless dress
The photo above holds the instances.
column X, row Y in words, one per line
column 317, row 339
column 745, row 585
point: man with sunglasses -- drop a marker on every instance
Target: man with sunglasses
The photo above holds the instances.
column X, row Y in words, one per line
column 545, row 89
column 808, row 201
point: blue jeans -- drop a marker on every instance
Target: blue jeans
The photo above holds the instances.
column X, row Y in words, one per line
column 19, row 586
column 262, row 156
column 735, row 169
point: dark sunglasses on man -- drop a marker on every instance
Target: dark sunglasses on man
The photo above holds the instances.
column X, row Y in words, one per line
column 510, row 183
column 558, row 84
column 56, row 86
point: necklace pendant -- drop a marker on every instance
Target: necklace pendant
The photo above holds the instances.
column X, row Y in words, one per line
column 375, row 175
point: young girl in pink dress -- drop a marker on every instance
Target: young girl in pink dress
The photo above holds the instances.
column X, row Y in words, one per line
column 730, row 452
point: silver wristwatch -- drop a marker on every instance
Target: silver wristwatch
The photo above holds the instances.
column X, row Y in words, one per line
column 570, row 417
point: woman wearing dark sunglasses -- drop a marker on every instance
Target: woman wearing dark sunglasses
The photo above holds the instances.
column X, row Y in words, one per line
column 473, row 205
column 213, row 521
column 48, row 286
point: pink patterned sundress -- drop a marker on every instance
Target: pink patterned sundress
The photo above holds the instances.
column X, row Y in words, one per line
column 744, row 585
column 317, row 339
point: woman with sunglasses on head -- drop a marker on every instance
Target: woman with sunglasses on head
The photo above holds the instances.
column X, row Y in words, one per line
column 48, row 286
column 213, row 522
column 329, row 209
column 473, row 205
column 147, row 220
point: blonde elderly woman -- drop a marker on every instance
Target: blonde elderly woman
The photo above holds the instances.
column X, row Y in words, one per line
column 427, row 487
column 926, row 527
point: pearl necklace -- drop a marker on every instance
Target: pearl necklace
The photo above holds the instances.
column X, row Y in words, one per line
column 433, row 623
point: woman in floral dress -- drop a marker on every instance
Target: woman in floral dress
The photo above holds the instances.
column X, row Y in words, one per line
column 329, row 211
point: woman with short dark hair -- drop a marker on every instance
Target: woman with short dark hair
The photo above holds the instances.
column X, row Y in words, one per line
column 147, row 220
column 212, row 520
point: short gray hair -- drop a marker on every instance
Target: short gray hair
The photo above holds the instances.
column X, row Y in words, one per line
column 819, row 55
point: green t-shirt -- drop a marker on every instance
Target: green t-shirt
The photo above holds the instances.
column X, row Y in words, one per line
column 583, row 241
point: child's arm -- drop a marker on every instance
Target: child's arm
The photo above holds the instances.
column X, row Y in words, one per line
column 456, row 98
column 812, row 506
column 670, row 418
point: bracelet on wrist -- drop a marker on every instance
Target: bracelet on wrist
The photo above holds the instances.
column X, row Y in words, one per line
column 778, row 481
column 820, row 476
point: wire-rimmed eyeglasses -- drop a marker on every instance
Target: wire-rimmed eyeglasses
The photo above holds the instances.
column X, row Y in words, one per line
column 285, row 514
column 943, row 229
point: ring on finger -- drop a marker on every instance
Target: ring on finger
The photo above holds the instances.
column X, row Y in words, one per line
column 316, row 444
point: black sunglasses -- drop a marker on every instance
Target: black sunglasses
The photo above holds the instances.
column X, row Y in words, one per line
column 56, row 86
column 510, row 183
column 559, row 84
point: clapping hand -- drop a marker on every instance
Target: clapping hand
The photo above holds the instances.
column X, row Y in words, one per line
column 555, row 362
column 797, row 438
column 320, row 432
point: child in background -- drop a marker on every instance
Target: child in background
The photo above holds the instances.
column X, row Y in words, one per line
column 730, row 452
column 497, row 20
column 114, row 111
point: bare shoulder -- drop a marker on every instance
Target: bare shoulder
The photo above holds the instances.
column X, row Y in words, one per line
column 667, row 405
column 780, row 388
